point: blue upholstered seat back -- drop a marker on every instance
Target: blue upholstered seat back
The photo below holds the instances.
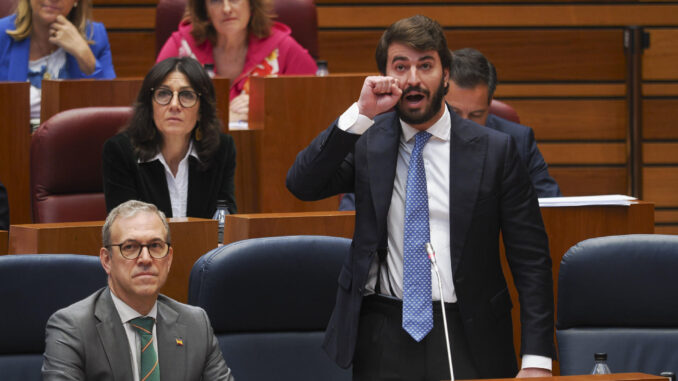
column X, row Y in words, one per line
column 269, row 300
column 619, row 295
column 32, row 288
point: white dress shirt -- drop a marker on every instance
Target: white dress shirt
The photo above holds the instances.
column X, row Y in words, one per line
column 177, row 185
column 436, row 156
column 126, row 314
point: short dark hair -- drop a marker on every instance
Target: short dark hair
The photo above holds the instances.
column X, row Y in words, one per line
column 141, row 129
column 418, row 32
column 471, row 68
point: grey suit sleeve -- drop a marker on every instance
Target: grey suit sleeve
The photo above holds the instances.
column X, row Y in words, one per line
column 64, row 351
column 215, row 366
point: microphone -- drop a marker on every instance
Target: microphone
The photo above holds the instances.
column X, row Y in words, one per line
column 434, row 263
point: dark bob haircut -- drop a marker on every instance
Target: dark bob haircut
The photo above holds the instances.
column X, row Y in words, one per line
column 142, row 131
column 471, row 68
column 418, row 32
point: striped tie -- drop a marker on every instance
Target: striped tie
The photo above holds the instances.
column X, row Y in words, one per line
column 149, row 359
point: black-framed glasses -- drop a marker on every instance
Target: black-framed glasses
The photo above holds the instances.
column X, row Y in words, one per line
column 187, row 98
column 131, row 249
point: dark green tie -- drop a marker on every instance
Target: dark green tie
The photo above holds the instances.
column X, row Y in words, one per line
column 149, row 359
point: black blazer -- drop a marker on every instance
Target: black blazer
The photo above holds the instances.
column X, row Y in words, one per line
column 4, row 208
column 490, row 191
column 127, row 179
column 543, row 183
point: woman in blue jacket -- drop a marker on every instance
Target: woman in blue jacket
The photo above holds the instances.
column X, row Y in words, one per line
column 52, row 39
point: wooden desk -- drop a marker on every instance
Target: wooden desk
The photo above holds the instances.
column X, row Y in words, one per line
column 15, row 146
column 599, row 377
column 4, row 239
column 190, row 238
column 286, row 113
column 60, row 95
column 238, row 227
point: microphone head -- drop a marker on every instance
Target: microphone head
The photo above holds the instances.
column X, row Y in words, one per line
column 429, row 250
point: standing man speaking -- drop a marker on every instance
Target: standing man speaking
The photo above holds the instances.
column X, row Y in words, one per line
column 423, row 174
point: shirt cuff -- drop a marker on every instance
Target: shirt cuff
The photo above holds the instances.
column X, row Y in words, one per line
column 534, row 361
column 353, row 121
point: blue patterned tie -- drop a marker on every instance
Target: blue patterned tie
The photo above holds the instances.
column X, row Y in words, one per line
column 417, row 308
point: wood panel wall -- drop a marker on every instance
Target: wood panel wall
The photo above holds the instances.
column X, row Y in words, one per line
column 561, row 64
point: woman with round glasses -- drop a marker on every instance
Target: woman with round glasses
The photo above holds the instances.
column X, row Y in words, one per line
column 240, row 39
column 172, row 153
column 52, row 39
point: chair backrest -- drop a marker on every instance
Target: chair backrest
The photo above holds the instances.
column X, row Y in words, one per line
column 32, row 288
column 618, row 295
column 299, row 15
column 7, row 7
column 269, row 301
column 504, row 111
column 66, row 178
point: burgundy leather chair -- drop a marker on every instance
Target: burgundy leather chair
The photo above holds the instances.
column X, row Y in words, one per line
column 66, row 179
column 503, row 110
column 299, row 15
column 7, row 7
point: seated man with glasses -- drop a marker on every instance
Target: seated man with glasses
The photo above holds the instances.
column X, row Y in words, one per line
column 111, row 335
column 172, row 153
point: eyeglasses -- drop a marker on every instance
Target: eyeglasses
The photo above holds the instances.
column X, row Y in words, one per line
column 187, row 98
column 132, row 249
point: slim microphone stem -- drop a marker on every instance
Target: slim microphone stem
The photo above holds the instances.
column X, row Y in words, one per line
column 434, row 263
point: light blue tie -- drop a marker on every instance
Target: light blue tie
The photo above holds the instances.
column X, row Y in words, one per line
column 417, row 307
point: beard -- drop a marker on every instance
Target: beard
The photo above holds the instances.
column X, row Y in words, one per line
column 429, row 111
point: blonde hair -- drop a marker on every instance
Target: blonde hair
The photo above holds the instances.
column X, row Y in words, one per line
column 261, row 20
column 79, row 16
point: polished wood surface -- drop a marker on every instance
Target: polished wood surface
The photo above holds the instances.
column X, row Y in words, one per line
column 245, row 226
column 15, row 145
column 4, row 241
column 585, row 180
column 60, row 95
column 286, row 113
column 583, row 153
column 190, row 239
column 597, row 377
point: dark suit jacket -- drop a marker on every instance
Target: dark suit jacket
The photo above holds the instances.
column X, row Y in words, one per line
column 87, row 341
column 4, row 208
column 543, row 183
column 489, row 191
column 127, row 179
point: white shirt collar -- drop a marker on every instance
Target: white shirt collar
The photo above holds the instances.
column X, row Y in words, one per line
column 128, row 313
column 440, row 129
column 191, row 152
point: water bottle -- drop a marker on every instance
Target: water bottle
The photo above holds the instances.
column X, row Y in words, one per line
column 670, row 375
column 322, row 68
column 209, row 68
column 601, row 364
column 220, row 216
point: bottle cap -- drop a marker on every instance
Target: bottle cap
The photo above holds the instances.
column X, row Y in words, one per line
column 600, row 356
column 221, row 202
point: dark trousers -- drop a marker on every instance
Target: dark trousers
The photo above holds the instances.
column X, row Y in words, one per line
column 385, row 351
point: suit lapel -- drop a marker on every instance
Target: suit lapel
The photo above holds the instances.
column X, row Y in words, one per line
column 113, row 337
column 19, row 55
column 467, row 160
column 382, row 157
column 199, row 183
column 171, row 343
column 154, row 173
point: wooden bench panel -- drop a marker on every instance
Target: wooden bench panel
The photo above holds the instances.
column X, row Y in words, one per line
column 501, row 15
column 659, row 60
column 660, row 153
column 125, row 17
column 666, row 216
column 573, row 119
column 659, row 119
column 551, row 55
column 584, row 181
column 133, row 53
column 583, row 153
column 660, row 184
column 666, row 229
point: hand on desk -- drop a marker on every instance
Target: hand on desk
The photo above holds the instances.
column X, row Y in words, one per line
column 239, row 108
column 533, row 372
